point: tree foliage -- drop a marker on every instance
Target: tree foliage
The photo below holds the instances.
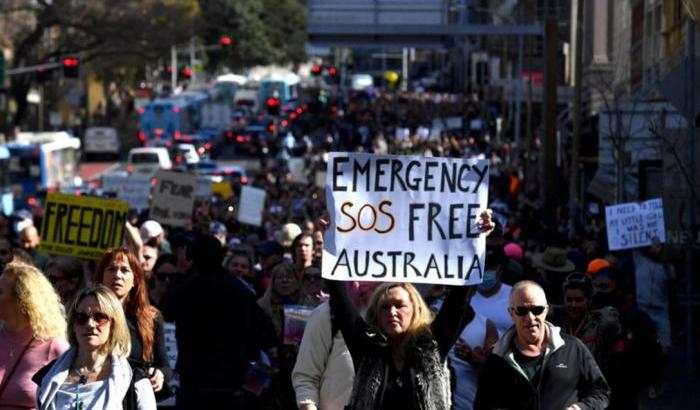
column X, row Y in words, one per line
column 263, row 32
column 112, row 34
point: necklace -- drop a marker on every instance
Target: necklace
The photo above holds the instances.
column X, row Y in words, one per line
column 84, row 372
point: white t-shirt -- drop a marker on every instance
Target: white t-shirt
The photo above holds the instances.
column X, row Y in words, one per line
column 466, row 377
column 495, row 308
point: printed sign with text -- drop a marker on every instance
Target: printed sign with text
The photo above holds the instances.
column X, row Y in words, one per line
column 173, row 198
column 405, row 219
column 635, row 225
column 82, row 227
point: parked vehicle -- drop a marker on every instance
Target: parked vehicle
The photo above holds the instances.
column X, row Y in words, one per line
column 99, row 141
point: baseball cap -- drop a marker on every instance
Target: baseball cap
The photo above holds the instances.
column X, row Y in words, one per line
column 513, row 251
column 217, row 228
column 288, row 233
column 149, row 230
column 596, row 265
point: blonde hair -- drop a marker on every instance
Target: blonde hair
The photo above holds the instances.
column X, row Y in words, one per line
column 38, row 300
column 422, row 315
column 119, row 341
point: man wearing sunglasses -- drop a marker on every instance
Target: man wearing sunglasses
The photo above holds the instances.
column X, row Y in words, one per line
column 537, row 366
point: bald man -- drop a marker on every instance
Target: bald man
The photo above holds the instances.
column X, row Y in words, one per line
column 29, row 241
column 536, row 366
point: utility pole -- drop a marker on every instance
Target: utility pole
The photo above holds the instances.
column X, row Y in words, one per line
column 689, row 263
column 548, row 193
column 528, row 108
column 574, row 200
column 173, row 65
column 193, row 79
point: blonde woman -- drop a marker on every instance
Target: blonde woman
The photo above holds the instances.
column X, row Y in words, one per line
column 400, row 352
column 32, row 332
column 95, row 373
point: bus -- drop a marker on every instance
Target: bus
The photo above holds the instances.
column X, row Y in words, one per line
column 164, row 120
column 6, row 197
column 40, row 162
column 283, row 87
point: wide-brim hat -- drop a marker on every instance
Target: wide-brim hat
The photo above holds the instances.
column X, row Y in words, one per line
column 554, row 260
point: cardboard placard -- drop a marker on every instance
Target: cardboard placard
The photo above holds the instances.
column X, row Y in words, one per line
column 251, row 205
column 635, row 225
column 82, row 227
column 405, row 219
column 173, row 198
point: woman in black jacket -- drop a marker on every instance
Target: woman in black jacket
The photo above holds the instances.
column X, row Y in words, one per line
column 120, row 271
column 399, row 353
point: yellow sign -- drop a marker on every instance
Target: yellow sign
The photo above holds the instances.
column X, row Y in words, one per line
column 222, row 188
column 82, row 227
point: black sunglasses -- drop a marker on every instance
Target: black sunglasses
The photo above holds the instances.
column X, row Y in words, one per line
column 524, row 310
column 82, row 318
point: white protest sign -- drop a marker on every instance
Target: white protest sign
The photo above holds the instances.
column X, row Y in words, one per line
column 298, row 170
column 134, row 189
column 251, row 205
column 173, row 198
column 635, row 225
column 405, row 219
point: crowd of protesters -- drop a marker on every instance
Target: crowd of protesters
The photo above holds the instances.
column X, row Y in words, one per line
column 93, row 332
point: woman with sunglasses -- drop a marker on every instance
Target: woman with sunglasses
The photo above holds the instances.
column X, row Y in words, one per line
column 32, row 332
column 95, row 372
column 313, row 288
column 165, row 276
column 121, row 272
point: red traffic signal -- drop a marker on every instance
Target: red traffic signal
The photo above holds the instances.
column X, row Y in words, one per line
column 332, row 71
column 71, row 67
column 225, row 41
column 186, row 72
column 316, row 70
column 42, row 75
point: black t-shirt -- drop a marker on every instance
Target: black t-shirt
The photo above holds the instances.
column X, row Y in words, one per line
column 398, row 393
column 531, row 365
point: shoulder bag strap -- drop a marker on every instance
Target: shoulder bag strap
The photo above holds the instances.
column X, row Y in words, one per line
column 8, row 375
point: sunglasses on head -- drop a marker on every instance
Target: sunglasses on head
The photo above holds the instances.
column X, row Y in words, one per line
column 524, row 310
column 82, row 318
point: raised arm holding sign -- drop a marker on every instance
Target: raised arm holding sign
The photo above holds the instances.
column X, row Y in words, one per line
column 391, row 207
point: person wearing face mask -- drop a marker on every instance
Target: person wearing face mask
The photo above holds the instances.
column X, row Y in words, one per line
column 492, row 296
column 537, row 366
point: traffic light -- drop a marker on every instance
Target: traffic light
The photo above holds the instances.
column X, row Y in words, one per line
column 71, row 67
column 273, row 106
column 186, row 73
column 225, row 41
column 316, row 70
column 334, row 74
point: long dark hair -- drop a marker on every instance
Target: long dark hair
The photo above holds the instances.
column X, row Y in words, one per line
column 136, row 304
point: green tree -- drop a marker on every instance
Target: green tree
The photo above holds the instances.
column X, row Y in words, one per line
column 112, row 34
column 263, row 32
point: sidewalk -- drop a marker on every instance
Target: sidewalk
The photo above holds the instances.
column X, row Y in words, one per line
column 680, row 392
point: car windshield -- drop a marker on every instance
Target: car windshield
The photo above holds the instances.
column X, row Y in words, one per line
column 144, row 158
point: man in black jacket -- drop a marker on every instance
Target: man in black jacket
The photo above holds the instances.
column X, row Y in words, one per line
column 219, row 330
column 535, row 366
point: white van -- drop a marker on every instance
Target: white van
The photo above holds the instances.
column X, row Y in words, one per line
column 148, row 160
column 100, row 141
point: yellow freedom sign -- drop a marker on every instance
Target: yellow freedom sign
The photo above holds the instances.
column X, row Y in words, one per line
column 82, row 227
